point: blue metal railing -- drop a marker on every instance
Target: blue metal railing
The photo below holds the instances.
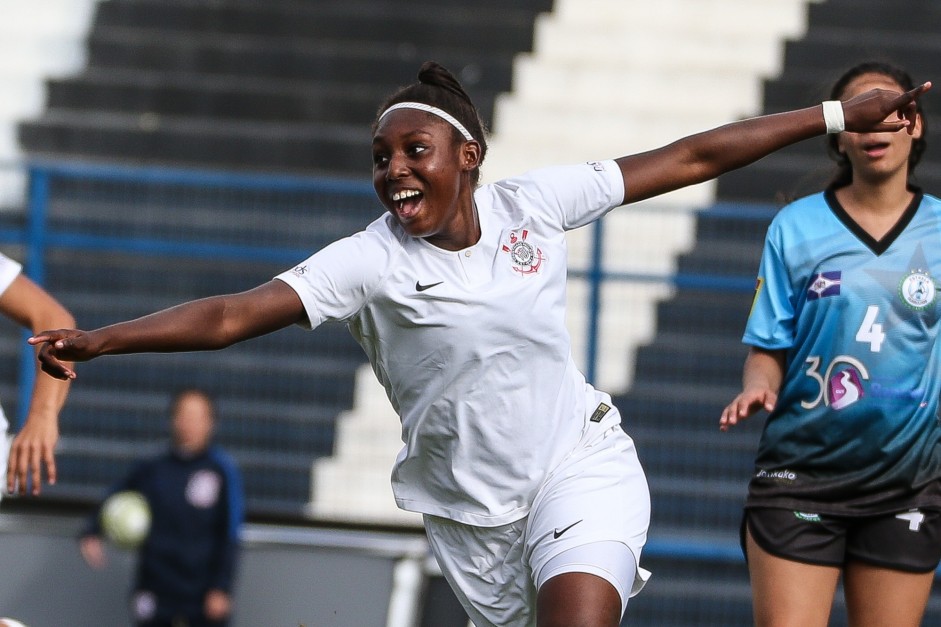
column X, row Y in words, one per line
column 38, row 237
column 42, row 233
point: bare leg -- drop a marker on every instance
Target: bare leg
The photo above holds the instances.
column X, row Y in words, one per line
column 786, row 593
column 878, row 596
column 578, row 600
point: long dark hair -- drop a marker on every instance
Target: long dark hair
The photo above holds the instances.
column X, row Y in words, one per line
column 437, row 87
column 844, row 174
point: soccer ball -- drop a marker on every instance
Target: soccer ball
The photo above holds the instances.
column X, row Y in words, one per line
column 125, row 519
column 10, row 622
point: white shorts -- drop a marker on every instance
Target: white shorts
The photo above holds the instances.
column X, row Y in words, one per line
column 590, row 516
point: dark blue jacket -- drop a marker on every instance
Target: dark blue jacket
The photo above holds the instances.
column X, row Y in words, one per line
column 197, row 509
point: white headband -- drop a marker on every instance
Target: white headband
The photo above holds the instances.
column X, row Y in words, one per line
column 444, row 115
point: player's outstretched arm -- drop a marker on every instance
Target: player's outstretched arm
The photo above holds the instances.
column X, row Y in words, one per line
column 33, row 448
column 205, row 324
column 706, row 155
column 761, row 381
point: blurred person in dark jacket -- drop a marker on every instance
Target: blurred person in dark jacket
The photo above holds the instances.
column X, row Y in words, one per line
column 186, row 564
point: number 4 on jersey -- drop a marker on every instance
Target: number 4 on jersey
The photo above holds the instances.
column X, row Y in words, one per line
column 870, row 332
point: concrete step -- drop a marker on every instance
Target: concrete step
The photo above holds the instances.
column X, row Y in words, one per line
column 631, row 44
column 425, row 24
column 328, row 60
column 306, row 149
column 679, row 358
column 728, row 17
column 219, row 97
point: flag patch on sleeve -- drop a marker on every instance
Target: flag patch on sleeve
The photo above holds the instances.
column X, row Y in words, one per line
column 824, row 284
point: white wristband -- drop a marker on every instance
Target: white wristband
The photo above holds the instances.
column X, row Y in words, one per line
column 833, row 116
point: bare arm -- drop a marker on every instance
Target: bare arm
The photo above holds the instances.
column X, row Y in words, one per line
column 761, row 381
column 32, row 307
column 205, row 324
column 706, row 155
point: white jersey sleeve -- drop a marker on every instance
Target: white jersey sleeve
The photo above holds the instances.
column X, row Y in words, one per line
column 9, row 270
column 573, row 195
column 335, row 282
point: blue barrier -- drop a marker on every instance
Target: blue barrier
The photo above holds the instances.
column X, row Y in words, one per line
column 38, row 237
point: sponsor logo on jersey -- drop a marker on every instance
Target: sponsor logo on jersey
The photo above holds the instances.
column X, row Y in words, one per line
column 808, row 517
column 202, row 490
column 881, row 390
column 419, row 287
column 918, row 289
column 600, row 411
column 777, row 475
column 557, row 533
column 824, row 284
column 845, row 387
column 526, row 258
column 597, row 166
column 300, row 270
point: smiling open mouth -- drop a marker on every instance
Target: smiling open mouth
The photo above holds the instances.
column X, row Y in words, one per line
column 407, row 202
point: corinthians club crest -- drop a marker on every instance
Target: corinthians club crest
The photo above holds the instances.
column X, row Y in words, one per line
column 526, row 258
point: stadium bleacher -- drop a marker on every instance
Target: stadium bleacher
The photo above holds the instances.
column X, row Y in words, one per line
column 279, row 86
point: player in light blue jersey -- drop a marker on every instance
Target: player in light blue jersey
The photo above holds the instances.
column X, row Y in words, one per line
column 845, row 359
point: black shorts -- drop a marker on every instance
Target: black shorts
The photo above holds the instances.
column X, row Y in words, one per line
column 908, row 540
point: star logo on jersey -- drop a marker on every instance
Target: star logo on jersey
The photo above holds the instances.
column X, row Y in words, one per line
column 918, row 289
column 824, row 284
column 526, row 258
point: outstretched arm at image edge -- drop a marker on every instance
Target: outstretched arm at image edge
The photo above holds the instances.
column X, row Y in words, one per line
column 761, row 381
column 206, row 324
column 704, row 156
column 34, row 446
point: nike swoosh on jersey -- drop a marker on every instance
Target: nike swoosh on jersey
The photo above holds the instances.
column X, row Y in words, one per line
column 421, row 288
column 558, row 532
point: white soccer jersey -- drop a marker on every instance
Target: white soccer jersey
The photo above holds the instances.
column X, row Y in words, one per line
column 9, row 270
column 471, row 345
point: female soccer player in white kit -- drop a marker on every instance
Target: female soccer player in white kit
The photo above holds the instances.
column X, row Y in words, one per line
column 533, row 499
